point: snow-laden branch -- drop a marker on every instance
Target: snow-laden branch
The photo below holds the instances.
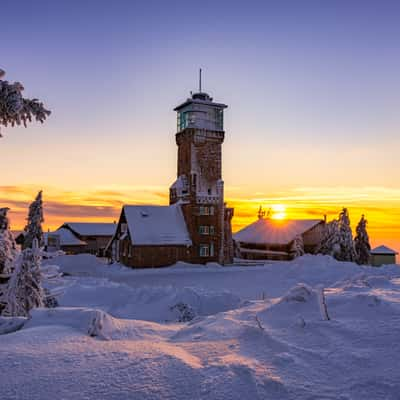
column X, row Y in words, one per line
column 17, row 110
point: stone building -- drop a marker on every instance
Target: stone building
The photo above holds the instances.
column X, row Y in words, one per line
column 145, row 238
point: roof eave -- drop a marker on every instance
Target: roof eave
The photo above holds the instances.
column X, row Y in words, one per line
column 191, row 101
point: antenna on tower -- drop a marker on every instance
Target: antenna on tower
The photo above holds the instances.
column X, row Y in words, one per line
column 200, row 80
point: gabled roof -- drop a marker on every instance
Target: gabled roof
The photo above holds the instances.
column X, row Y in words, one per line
column 91, row 228
column 157, row 225
column 270, row 231
column 67, row 238
column 383, row 250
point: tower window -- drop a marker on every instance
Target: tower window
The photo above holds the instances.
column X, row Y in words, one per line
column 206, row 210
column 219, row 118
column 194, row 180
column 204, row 230
column 204, row 250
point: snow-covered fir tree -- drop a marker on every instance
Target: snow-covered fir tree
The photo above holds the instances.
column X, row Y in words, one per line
column 8, row 247
column 24, row 290
column 297, row 247
column 15, row 109
column 347, row 252
column 361, row 242
column 330, row 243
column 33, row 229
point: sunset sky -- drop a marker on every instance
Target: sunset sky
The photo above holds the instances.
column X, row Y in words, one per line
column 313, row 90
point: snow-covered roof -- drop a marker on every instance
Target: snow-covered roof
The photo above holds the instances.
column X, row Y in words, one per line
column 383, row 250
column 67, row 238
column 92, row 228
column 157, row 225
column 179, row 184
column 270, row 231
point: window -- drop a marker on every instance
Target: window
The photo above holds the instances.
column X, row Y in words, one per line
column 182, row 121
column 205, row 210
column 209, row 191
column 129, row 251
column 194, row 180
column 212, row 249
column 219, row 118
column 204, row 250
column 212, row 230
column 204, row 230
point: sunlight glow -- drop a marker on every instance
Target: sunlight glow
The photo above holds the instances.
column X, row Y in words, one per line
column 278, row 211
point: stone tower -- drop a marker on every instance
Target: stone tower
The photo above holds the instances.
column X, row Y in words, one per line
column 199, row 186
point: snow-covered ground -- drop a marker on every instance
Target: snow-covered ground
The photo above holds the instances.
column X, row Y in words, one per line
column 259, row 333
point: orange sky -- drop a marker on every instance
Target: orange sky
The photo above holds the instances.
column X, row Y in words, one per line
column 380, row 205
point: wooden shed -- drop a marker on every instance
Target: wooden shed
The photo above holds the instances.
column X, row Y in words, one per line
column 383, row 255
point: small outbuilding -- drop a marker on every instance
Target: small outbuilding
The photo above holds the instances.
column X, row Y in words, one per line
column 96, row 235
column 383, row 255
column 270, row 239
column 63, row 239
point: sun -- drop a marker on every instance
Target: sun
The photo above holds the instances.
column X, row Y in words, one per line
column 278, row 211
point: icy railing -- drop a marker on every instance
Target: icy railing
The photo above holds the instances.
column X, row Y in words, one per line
column 207, row 199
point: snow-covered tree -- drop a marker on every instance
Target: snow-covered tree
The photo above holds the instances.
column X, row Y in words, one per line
column 16, row 110
column 8, row 248
column 330, row 243
column 33, row 229
column 24, row 290
column 361, row 242
column 297, row 247
column 347, row 252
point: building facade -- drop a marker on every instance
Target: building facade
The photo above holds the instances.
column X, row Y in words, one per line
column 196, row 226
column 199, row 187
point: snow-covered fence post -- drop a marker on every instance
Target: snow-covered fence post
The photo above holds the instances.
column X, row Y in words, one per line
column 259, row 324
column 323, row 308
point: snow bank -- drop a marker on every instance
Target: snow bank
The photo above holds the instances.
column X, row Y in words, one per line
column 11, row 324
column 150, row 303
column 276, row 346
column 96, row 323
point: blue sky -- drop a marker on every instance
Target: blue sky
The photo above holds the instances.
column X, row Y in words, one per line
column 313, row 90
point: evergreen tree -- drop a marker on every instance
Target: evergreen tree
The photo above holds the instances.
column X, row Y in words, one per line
column 16, row 110
column 297, row 248
column 8, row 247
column 330, row 243
column 24, row 290
column 347, row 251
column 361, row 242
column 33, row 228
